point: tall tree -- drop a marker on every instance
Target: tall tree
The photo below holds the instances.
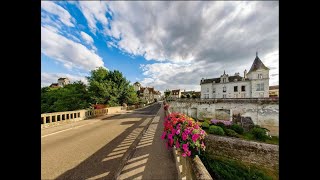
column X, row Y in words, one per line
column 110, row 87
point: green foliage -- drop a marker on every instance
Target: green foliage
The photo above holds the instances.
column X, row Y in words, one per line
column 205, row 125
column 70, row 97
column 194, row 96
column 237, row 128
column 221, row 124
column 104, row 87
column 228, row 169
column 188, row 96
column 259, row 134
column 167, row 93
column 110, row 87
column 183, row 96
column 231, row 133
column 216, row 130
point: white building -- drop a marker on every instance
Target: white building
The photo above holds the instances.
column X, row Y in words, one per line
column 253, row 84
column 61, row 83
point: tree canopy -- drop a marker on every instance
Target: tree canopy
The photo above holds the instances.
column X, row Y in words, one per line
column 104, row 87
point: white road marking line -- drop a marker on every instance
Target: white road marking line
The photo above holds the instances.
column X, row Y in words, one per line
column 66, row 129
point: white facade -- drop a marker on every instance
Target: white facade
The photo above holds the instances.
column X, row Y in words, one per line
column 63, row 81
column 253, row 84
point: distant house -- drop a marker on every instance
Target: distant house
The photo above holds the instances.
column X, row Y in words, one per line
column 175, row 94
column 147, row 93
column 54, row 85
column 274, row 91
column 253, row 84
column 61, row 83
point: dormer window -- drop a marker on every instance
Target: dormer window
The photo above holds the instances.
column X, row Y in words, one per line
column 259, row 76
column 224, row 80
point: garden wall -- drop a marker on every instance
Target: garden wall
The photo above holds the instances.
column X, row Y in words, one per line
column 263, row 113
column 248, row 152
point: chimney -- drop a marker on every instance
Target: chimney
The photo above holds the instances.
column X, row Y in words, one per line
column 245, row 74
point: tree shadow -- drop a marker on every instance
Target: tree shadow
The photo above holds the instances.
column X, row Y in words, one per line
column 104, row 163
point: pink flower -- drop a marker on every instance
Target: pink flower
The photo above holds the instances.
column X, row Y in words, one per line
column 177, row 144
column 163, row 135
column 195, row 137
column 178, row 132
column 184, row 136
column 188, row 153
column 185, row 147
column 184, row 154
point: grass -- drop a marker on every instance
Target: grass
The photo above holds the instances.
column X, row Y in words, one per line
column 227, row 169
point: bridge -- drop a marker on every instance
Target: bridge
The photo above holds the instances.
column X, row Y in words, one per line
column 119, row 145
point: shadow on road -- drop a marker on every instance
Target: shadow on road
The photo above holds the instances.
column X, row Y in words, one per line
column 104, row 163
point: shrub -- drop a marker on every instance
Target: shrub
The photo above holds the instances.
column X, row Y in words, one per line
column 205, row 125
column 237, row 128
column 231, row 133
column 260, row 134
column 221, row 124
column 216, row 130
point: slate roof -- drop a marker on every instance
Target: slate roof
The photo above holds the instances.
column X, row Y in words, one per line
column 257, row 64
column 217, row 80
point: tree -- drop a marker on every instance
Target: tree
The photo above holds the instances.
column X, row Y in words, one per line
column 167, row 93
column 183, row 96
column 188, row 96
column 99, row 86
column 71, row 97
column 110, row 87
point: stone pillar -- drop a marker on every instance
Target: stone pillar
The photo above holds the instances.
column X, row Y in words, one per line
column 50, row 119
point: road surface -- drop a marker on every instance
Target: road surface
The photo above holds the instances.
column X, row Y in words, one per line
column 94, row 148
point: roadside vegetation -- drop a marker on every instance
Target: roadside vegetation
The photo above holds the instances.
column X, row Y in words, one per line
column 106, row 88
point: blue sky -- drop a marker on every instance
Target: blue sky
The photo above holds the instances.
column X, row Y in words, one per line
column 166, row 45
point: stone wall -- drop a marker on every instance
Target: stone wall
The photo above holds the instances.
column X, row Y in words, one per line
column 248, row 152
column 262, row 112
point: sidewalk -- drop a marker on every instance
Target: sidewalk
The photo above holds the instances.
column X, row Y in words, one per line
column 151, row 159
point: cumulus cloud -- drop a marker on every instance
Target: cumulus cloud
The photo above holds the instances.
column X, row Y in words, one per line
column 190, row 40
column 63, row 15
column 48, row 78
column 70, row 53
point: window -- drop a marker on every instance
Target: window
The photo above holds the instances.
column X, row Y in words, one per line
column 235, row 88
column 224, row 88
column 224, row 96
column 213, row 90
column 224, row 80
column 243, row 88
column 207, row 89
column 260, row 87
column 259, row 76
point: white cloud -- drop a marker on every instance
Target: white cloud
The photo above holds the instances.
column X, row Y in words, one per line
column 64, row 15
column 48, row 78
column 87, row 38
column 190, row 40
column 94, row 12
column 70, row 53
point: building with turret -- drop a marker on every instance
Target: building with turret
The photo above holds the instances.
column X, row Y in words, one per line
column 253, row 84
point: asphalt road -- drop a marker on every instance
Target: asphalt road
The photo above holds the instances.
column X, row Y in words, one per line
column 92, row 149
